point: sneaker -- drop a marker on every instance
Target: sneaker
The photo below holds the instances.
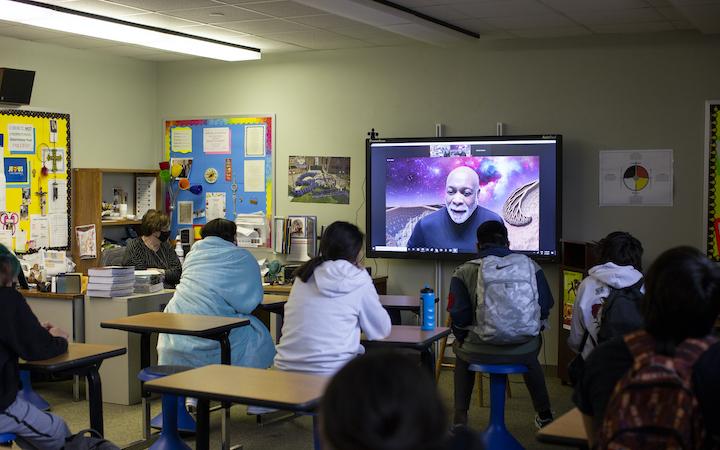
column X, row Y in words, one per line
column 540, row 422
column 191, row 405
column 258, row 410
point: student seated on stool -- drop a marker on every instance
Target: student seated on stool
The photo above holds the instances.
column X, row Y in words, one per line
column 497, row 322
column 23, row 336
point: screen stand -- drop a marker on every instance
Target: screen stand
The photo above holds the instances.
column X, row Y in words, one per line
column 438, row 305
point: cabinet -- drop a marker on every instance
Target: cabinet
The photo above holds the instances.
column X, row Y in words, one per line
column 90, row 188
column 576, row 259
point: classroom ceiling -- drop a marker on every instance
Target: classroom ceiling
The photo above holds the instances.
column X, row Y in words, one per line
column 277, row 26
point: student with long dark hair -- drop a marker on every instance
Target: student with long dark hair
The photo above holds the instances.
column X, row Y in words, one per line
column 332, row 301
column 680, row 306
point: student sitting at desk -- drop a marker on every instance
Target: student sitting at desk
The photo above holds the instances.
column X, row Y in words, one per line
column 23, row 336
column 219, row 279
column 670, row 360
column 332, row 300
column 152, row 251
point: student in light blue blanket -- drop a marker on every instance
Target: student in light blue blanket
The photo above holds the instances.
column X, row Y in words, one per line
column 218, row 279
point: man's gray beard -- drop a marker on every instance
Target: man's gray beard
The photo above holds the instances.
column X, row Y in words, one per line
column 465, row 218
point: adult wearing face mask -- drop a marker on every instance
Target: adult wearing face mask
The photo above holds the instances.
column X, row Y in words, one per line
column 152, row 250
column 454, row 226
column 219, row 279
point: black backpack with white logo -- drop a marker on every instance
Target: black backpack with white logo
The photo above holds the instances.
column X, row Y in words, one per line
column 621, row 312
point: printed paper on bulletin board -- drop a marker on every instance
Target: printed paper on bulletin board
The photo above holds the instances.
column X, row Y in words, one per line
column 571, row 283
column 225, row 152
column 712, row 211
column 35, row 180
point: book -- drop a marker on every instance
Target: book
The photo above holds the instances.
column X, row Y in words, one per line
column 108, row 294
column 112, row 271
column 110, row 287
column 148, row 288
column 112, row 280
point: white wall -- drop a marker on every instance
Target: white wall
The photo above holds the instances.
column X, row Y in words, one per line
column 642, row 92
column 111, row 101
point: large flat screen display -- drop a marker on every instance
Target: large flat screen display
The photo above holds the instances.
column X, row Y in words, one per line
column 427, row 196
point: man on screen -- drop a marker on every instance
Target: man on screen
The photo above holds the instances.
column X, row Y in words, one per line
column 454, row 226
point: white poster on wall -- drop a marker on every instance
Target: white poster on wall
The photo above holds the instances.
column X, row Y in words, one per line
column 636, row 177
column 216, row 140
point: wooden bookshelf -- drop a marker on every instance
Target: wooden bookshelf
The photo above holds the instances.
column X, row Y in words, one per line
column 87, row 197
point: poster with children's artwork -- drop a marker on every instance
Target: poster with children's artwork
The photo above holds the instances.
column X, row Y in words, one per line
column 571, row 283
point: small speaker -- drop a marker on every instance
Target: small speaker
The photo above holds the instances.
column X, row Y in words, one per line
column 16, row 85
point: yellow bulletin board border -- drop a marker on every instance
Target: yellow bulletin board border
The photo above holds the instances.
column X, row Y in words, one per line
column 35, row 179
column 712, row 178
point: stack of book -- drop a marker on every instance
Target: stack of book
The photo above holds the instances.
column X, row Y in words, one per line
column 148, row 281
column 111, row 281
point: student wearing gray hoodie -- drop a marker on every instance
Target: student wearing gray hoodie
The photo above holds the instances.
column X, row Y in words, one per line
column 332, row 300
column 620, row 267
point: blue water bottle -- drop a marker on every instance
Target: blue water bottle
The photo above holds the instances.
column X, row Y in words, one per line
column 427, row 308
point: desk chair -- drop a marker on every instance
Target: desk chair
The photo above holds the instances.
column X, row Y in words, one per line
column 496, row 435
column 174, row 416
column 29, row 395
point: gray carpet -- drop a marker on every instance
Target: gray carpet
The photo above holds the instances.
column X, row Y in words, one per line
column 123, row 423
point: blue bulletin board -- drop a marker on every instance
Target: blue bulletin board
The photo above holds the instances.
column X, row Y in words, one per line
column 216, row 155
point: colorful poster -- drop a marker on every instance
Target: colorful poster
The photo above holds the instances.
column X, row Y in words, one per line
column 319, row 179
column 712, row 175
column 181, row 140
column 571, row 283
column 16, row 170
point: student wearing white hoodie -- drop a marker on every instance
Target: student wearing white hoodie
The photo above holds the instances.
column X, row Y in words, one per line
column 332, row 300
column 620, row 267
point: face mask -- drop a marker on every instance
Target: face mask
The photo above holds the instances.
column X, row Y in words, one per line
column 164, row 236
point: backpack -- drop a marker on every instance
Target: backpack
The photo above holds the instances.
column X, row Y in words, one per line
column 653, row 405
column 621, row 312
column 95, row 441
column 507, row 309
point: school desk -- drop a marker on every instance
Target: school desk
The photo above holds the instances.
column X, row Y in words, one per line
column 81, row 359
column 408, row 336
column 567, row 430
column 288, row 391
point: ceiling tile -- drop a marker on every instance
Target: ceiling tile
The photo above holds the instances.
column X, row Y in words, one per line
column 631, row 28
column 502, row 8
column 216, row 14
column 595, row 5
column 625, row 16
column 165, row 57
column 325, row 21
column 165, row 5
column 476, row 25
column 320, row 39
column 102, row 8
column 362, row 31
column 442, row 12
column 264, row 27
column 282, row 9
column 526, row 22
column 269, row 45
column 132, row 51
column 214, row 32
column 551, row 32
column 683, row 25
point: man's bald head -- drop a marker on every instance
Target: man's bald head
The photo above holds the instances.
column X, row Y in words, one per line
column 461, row 193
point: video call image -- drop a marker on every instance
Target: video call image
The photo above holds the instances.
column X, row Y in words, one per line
column 438, row 202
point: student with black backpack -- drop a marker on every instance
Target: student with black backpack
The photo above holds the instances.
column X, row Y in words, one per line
column 657, row 387
column 610, row 291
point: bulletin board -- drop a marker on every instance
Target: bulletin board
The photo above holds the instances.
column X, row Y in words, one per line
column 712, row 179
column 35, row 180
column 226, row 152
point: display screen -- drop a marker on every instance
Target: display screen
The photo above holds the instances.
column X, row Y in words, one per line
column 426, row 197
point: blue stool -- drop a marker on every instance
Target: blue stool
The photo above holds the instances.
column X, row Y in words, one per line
column 174, row 415
column 496, row 435
column 7, row 438
column 26, row 392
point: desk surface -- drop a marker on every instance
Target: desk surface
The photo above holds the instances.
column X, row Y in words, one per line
column 187, row 324
column 410, row 336
column 271, row 388
column 78, row 355
column 284, row 289
column 273, row 300
column 567, row 429
column 34, row 293
column 402, row 302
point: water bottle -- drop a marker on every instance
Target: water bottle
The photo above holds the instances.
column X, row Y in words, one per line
column 179, row 250
column 427, row 308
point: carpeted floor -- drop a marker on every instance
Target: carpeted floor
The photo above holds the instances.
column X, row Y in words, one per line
column 123, row 423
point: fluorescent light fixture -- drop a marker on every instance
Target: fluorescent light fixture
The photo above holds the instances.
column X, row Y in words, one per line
column 58, row 18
